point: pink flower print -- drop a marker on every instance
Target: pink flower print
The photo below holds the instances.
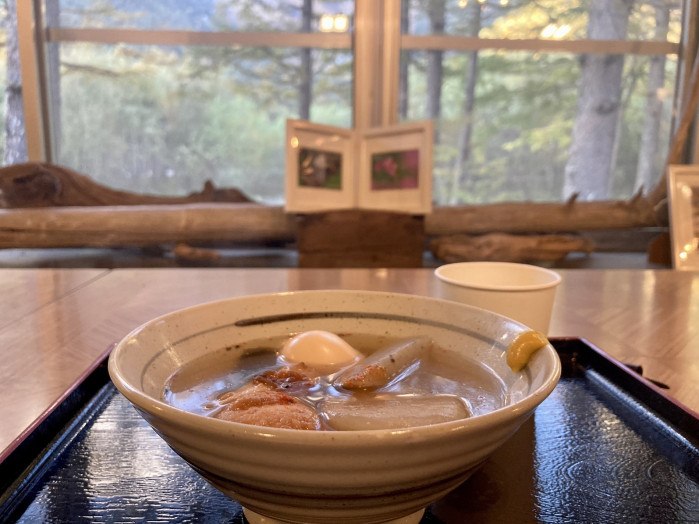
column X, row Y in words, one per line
column 388, row 166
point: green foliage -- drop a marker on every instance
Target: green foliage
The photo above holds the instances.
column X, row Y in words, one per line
column 522, row 125
column 147, row 130
column 525, row 107
column 155, row 122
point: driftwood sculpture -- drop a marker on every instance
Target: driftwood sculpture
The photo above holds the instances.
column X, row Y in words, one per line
column 500, row 247
column 35, row 184
column 545, row 217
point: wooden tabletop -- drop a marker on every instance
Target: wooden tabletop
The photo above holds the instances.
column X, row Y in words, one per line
column 57, row 324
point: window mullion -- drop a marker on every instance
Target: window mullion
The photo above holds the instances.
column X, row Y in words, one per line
column 368, row 37
column 33, row 82
column 472, row 43
column 391, row 62
column 205, row 38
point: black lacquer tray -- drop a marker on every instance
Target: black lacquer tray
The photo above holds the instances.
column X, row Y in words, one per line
column 606, row 446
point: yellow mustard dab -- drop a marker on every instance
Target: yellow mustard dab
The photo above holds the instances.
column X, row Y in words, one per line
column 523, row 347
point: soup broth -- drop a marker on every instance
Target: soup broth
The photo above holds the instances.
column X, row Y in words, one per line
column 435, row 381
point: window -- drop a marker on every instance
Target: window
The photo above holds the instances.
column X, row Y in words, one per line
column 13, row 140
column 580, row 103
column 160, row 96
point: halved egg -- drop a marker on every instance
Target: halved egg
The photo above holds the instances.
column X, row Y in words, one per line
column 322, row 350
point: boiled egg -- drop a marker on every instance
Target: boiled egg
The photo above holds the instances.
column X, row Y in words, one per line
column 320, row 350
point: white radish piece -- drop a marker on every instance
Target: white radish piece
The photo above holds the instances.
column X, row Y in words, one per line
column 354, row 414
column 381, row 367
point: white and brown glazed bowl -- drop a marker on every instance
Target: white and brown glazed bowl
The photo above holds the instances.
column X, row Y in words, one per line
column 363, row 477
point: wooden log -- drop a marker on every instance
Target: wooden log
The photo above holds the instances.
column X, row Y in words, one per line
column 195, row 254
column 115, row 226
column 34, row 184
column 221, row 223
column 528, row 217
column 499, row 247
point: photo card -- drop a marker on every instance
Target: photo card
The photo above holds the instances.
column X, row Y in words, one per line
column 320, row 167
column 683, row 192
column 395, row 168
column 385, row 168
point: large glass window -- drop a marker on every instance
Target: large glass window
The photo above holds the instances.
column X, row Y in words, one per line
column 13, row 139
column 165, row 118
column 540, row 101
column 532, row 100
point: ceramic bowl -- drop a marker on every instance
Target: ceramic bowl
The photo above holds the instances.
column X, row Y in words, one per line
column 364, row 477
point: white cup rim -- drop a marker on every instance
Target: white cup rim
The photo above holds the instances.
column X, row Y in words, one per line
column 442, row 272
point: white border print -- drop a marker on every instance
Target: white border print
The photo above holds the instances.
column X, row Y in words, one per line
column 320, row 167
column 385, row 168
column 396, row 168
column 683, row 190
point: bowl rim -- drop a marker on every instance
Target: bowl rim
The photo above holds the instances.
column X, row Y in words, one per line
column 172, row 414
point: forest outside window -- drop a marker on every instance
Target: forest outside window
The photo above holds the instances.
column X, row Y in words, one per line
column 532, row 100
column 580, row 104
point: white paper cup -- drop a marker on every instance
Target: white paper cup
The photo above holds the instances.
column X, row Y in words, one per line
column 522, row 292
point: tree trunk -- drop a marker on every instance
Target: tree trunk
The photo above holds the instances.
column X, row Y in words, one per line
column 306, row 76
column 588, row 171
column 15, row 138
column 461, row 168
column 628, row 88
column 648, row 169
column 435, row 69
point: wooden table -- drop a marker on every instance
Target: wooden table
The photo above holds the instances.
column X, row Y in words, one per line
column 56, row 325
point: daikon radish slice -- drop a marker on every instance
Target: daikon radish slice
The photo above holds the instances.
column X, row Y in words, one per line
column 392, row 412
column 381, row 367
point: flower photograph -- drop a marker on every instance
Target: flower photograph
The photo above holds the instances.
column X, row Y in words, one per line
column 395, row 170
column 320, row 169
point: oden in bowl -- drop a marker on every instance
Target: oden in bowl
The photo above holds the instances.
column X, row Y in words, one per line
column 334, row 475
